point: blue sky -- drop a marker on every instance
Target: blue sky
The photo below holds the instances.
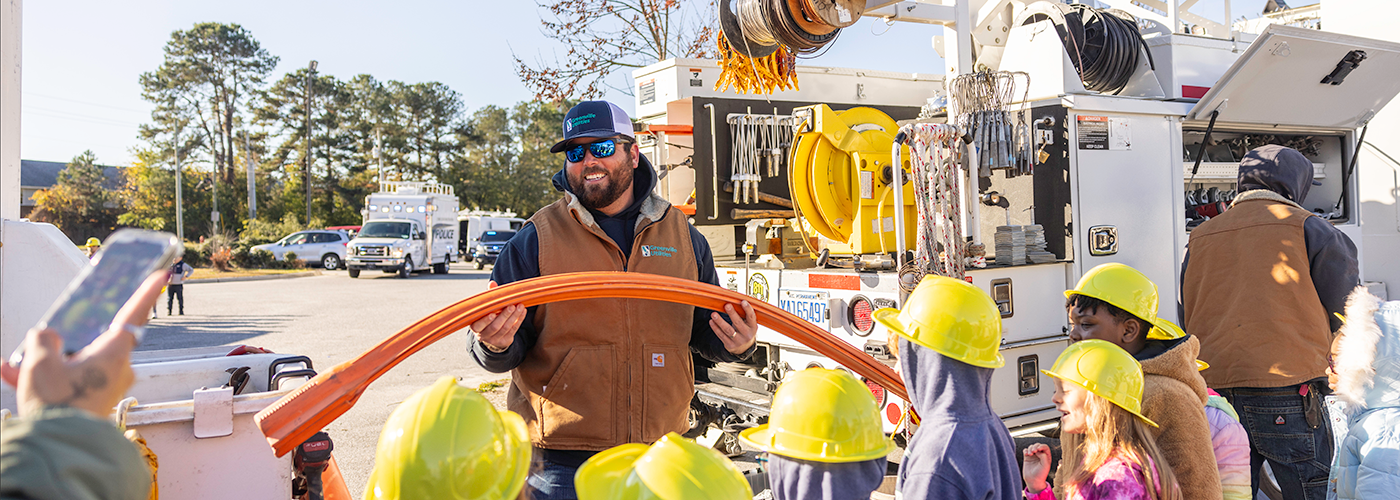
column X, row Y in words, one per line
column 81, row 59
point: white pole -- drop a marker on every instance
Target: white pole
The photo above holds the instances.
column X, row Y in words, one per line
column 252, row 179
column 179, row 191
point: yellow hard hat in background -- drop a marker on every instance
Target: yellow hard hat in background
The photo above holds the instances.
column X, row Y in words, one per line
column 1104, row 369
column 952, row 317
column 1130, row 290
column 675, row 468
column 93, row 242
column 448, row 442
column 822, row 415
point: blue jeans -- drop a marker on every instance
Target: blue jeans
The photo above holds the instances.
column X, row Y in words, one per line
column 1299, row 454
column 554, row 481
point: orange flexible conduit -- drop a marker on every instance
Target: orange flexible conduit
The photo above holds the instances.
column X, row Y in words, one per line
column 311, row 407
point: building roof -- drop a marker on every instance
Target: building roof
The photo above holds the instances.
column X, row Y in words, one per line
column 44, row 174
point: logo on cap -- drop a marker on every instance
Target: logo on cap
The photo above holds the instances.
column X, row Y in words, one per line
column 579, row 120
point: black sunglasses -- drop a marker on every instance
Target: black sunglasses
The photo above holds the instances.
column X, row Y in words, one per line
column 600, row 149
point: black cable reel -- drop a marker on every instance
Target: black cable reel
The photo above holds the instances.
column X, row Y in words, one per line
column 1105, row 46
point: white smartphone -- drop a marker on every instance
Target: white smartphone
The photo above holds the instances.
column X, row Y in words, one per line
column 87, row 307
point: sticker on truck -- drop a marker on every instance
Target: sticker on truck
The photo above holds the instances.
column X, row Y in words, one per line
column 805, row 304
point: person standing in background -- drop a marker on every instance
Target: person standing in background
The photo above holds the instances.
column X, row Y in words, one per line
column 179, row 272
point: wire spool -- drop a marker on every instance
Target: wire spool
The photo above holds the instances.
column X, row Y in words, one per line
column 784, row 24
column 835, row 13
column 731, row 25
column 807, row 18
column 1105, row 46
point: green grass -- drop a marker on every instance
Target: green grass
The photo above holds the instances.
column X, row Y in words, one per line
column 492, row 386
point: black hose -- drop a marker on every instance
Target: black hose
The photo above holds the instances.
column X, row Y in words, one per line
column 1104, row 46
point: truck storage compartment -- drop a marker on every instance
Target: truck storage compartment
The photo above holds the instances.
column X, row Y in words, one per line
column 202, row 433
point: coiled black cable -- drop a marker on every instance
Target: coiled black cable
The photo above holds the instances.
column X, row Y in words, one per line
column 1105, row 46
column 780, row 21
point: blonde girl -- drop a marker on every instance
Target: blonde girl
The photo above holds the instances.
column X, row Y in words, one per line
column 1098, row 389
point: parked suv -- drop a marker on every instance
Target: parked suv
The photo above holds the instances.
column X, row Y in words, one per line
column 489, row 247
column 323, row 246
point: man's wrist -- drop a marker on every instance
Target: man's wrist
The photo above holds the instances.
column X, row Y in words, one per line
column 494, row 349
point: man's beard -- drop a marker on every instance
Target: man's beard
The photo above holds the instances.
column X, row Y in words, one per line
column 597, row 197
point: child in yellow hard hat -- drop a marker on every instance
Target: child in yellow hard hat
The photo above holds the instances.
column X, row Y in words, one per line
column 823, row 437
column 1098, row 388
column 674, row 468
column 949, row 345
column 1118, row 304
column 447, row 441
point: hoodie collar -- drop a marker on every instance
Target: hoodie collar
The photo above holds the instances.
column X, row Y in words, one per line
column 649, row 206
column 1175, row 359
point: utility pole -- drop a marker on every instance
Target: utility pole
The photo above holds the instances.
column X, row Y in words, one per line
column 379, row 156
column 252, row 181
column 310, row 76
column 179, row 191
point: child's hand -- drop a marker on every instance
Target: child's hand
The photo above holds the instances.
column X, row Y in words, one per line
column 1036, row 467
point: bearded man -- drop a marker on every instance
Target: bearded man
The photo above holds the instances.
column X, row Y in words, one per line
column 588, row 375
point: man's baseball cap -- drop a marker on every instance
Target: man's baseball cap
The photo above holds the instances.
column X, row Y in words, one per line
column 594, row 119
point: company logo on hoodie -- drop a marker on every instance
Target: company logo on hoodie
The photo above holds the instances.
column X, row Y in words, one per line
column 657, row 251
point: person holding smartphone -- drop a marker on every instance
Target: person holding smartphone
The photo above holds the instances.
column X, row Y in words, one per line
column 63, row 445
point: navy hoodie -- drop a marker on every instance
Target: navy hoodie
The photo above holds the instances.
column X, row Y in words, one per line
column 794, row 479
column 1332, row 261
column 961, row 449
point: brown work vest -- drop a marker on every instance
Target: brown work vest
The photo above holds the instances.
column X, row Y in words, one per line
column 605, row 372
column 1248, row 294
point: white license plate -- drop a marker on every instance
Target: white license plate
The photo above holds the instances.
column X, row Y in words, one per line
column 805, row 304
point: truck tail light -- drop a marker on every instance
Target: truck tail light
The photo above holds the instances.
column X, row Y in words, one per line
column 859, row 315
column 892, row 413
column 876, row 391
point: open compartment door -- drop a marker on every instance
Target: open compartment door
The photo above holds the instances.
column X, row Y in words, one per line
column 1279, row 81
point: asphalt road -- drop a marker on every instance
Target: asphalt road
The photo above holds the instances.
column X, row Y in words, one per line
column 332, row 318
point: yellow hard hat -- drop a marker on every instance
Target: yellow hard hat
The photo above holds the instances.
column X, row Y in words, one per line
column 447, row 441
column 675, row 468
column 93, row 242
column 822, row 415
column 1104, row 369
column 1130, row 290
column 952, row 317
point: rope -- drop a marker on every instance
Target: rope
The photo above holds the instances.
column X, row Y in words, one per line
column 937, row 195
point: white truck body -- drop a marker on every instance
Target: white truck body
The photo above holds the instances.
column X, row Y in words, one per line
column 408, row 226
column 1122, row 203
column 471, row 223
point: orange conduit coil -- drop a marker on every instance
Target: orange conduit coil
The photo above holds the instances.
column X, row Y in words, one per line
column 311, row 407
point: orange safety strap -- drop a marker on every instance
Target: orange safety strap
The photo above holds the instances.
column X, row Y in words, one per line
column 311, row 407
column 333, row 483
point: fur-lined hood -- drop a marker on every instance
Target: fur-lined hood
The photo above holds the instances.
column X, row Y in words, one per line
column 1368, row 354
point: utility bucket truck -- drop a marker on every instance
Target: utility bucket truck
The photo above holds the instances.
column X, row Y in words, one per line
column 819, row 202
column 408, row 226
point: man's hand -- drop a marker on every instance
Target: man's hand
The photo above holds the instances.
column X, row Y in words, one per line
column 1036, row 467
column 738, row 337
column 97, row 376
column 497, row 330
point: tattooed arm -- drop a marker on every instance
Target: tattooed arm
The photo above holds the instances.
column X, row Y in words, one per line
column 95, row 378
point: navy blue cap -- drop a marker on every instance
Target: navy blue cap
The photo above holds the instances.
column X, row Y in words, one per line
column 594, row 119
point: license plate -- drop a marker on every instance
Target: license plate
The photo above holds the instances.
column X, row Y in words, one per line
column 805, row 304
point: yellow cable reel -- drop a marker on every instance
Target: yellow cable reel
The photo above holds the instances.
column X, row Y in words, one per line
column 837, row 178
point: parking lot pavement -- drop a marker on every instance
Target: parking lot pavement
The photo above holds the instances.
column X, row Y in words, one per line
column 332, row 318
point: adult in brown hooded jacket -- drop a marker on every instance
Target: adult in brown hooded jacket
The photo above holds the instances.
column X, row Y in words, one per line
column 1173, row 395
